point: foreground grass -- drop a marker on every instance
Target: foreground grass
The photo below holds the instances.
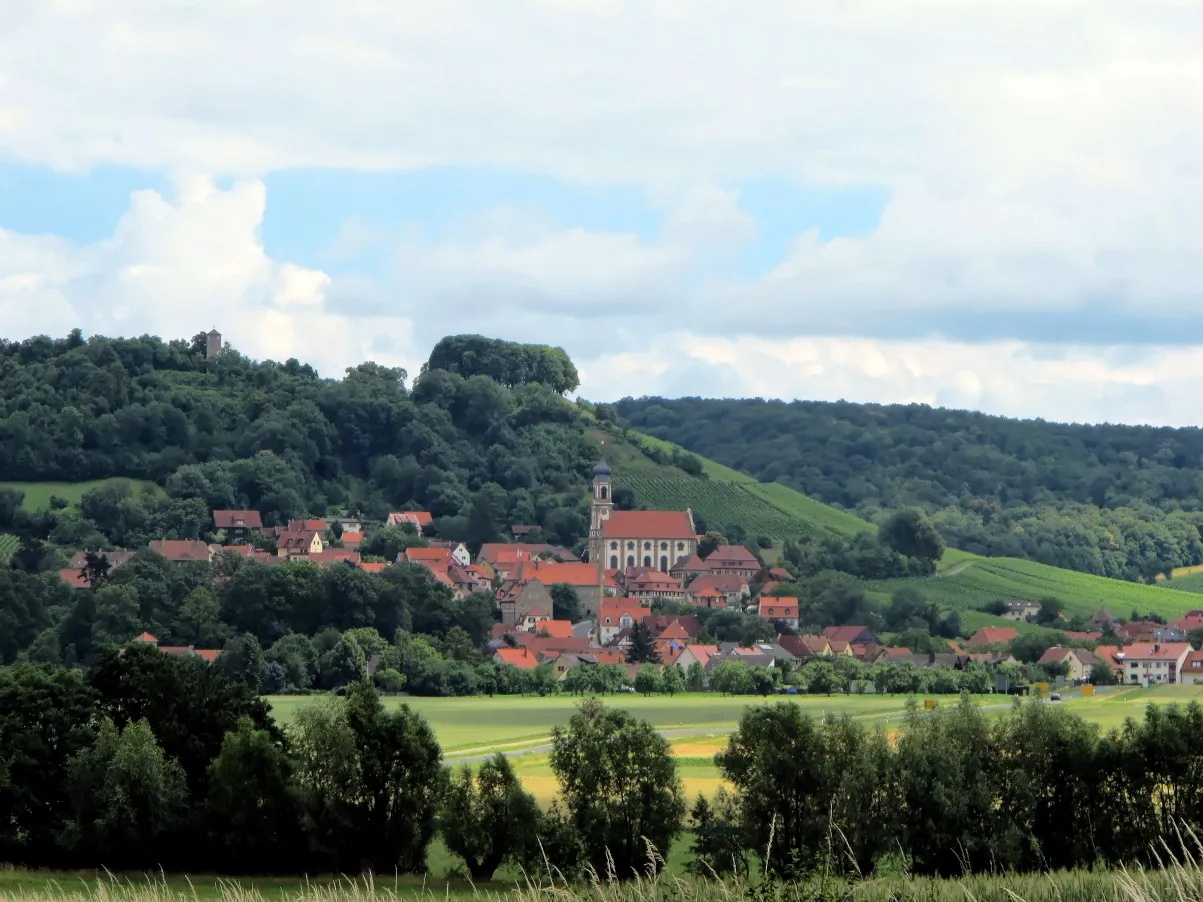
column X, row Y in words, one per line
column 1178, row 883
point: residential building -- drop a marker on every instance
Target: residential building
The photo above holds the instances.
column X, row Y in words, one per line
column 591, row 585
column 208, row 655
column 1075, row 668
column 991, row 635
column 804, row 646
column 330, row 556
column 237, row 524
column 517, row 600
column 688, row 567
column 782, row 609
column 1021, row 610
column 1084, row 635
column 645, row 582
column 317, row 525
column 618, row 614
column 701, row 654
column 299, row 543
column 848, row 635
column 1154, row 662
column 1192, row 620
column 707, row 598
column 419, row 520
column 522, row 658
column 734, row 588
column 733, row 559
column 1192, row 669
column 1103, row 619
column 1149, row 631
column 182, row 551
column 621, row 539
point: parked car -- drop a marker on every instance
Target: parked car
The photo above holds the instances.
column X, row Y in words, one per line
column 626, row 688
column 1055, row 697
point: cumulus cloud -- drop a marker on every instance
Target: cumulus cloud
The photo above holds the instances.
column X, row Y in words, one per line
column 1040, row 160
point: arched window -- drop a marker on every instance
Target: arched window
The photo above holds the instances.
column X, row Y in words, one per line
column 664, row 546
column 647, row 560
column 630, row 545
column 680, row 546
column 663, row 563
column 647, row 546
column 630, row 560
column 613, row 546
column 604, row 492
column 613, row 562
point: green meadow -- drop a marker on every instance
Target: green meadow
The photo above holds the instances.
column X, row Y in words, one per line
column 38, row 494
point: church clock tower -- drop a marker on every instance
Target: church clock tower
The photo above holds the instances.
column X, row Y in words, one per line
column 603, row 504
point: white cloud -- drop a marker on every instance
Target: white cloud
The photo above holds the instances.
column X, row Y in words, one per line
column 1040, row 159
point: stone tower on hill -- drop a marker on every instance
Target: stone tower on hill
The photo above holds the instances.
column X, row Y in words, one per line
column 212, row 343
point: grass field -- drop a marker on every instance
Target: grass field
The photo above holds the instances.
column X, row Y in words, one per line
column 8, row 545
column 38, row 494
column 1190, row 582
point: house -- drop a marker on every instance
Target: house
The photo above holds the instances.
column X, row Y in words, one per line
column 299, row 543
column 459, row 551
column 1192, row 669
column 438, row 556
column 648, row 583
column 707, row 598
column 658, row 623
column 1083, row 635
column 804, row 646
column 75, row 579
column 315, row 525
column 334, row 556
column 847, row 635
column 621, row 539
column 688, row 567
column 523, row 530
column 522, row 658
column 1075, row 668
column 237, row 524
column 700, row 654
column 1021, row 610
column 182, row 551
column 209, row 655
column 672, row 640
column 1103, row 619
column 115, row 558
column 1111, row 655
column 372, row 566
column 991, row 635
column 1149, row 631
column 1192, row 620
column 734, row 587
column 591, row 586
column 517, row 600
column 782, row 609
column 1154, row 662
column 618, row 614
column 780, row 574
column 351, row 540
column 733, row 559
column 555, row 629
column 419, row 520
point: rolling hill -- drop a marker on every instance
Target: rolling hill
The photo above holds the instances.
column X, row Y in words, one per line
column 965, row 582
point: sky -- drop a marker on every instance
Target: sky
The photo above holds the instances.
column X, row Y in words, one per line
column 963, row 203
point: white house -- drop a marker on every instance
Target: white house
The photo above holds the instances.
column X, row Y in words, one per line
column 1154, row 662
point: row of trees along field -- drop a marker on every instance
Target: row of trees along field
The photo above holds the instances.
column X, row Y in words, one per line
column 150, row 761
column 1119, row 501
column 484, row 438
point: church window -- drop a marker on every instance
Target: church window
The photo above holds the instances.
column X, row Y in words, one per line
column 604, row 492
column 613, row 546
column 630, row 545
column 613, row 562
column 630, row 560
column 664, row 546
column 680, row 546
column 647, row 560
column 663, row 562
column 647, row 545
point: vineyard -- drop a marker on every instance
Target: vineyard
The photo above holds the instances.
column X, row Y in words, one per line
column 8, row 546
column 1192, row 582
column 967, row 583
column 724, row 496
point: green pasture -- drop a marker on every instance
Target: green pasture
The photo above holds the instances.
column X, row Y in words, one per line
column 1189, row 582
column 38, row 494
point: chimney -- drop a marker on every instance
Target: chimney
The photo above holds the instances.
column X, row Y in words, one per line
column 1157, row 646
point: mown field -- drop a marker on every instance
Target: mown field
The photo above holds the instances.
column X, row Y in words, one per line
column 38, row 494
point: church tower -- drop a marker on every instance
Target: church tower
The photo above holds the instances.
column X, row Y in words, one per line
column 603, row 504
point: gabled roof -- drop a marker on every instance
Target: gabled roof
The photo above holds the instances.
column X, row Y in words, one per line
column 782, row 606
column 181, row 550
column 147, row 638
column 351, row 539
column 422, row 555
column 1057, row 654
column 703, row 652
column 612, row 610
column 674, row 631
column 1193, row 662
column 732, row 557
column 1084, row 636
column 551, row 572
column 307, row 526
column 416, row 519
column 237, row 519
column 657, row 623
column 372, row 566
column 988, row 635
column 74, row 578
column 1156, row 651
column 115, row 558
column 843, row 634
column 557, row 629
column 648, row 525
column 804, row 646
column 521, row 658
column 691, row 564
column 334, row 556
column 724, row 582
column 780, row 574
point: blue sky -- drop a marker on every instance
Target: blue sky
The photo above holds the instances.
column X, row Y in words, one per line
column 307, row 209
column 944, row 203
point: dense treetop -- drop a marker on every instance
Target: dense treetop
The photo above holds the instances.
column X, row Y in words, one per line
column 1122, row 501
column 238, row 433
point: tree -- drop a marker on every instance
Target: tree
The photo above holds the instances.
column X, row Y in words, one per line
column 95, row 569
column 648, row 680
column 910, row 533
column 731, row 678
column 643, row 646
column 695, row 678
column 674, row 682
column 804, row 783
column 565, row 602
column 620, row 785
column 343, row 665
column 252, row 812
column 709, row 542
column 1103, row 674
column 128, row 797
column 242, row 661
column 490, row 818
column 820, row 676
column 1050, row 611
column 718, row 837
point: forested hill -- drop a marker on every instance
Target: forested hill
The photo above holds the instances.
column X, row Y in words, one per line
column 484, row 431
column 1121, row 501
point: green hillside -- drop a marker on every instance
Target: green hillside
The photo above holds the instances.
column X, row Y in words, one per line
column 965, row 582
column 724, row 496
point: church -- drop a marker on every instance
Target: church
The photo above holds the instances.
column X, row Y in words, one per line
column 621, row 539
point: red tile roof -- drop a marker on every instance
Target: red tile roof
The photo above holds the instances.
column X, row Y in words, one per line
column 1084, row 636
column 521, row 658
column 551, row 572
column 1193, row 662
column 417, row 519
column 307, row 526
column 1056, row 655
column 74, row 579
column 648, row 525
column 558, row 629
column 148, row 638
column 180, row 550
column 1156, row 651
column 421, row 555
column 237, row 520
column 372, row 566
column 351, row 539
column 781, row 607
column 612, row 610
column 988, row 635
column 732, row 557
column 845, row 635
column 334, row 556
column 724, row 582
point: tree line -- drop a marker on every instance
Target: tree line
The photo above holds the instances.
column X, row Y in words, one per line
column 150, row 761
column 1118, row 501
